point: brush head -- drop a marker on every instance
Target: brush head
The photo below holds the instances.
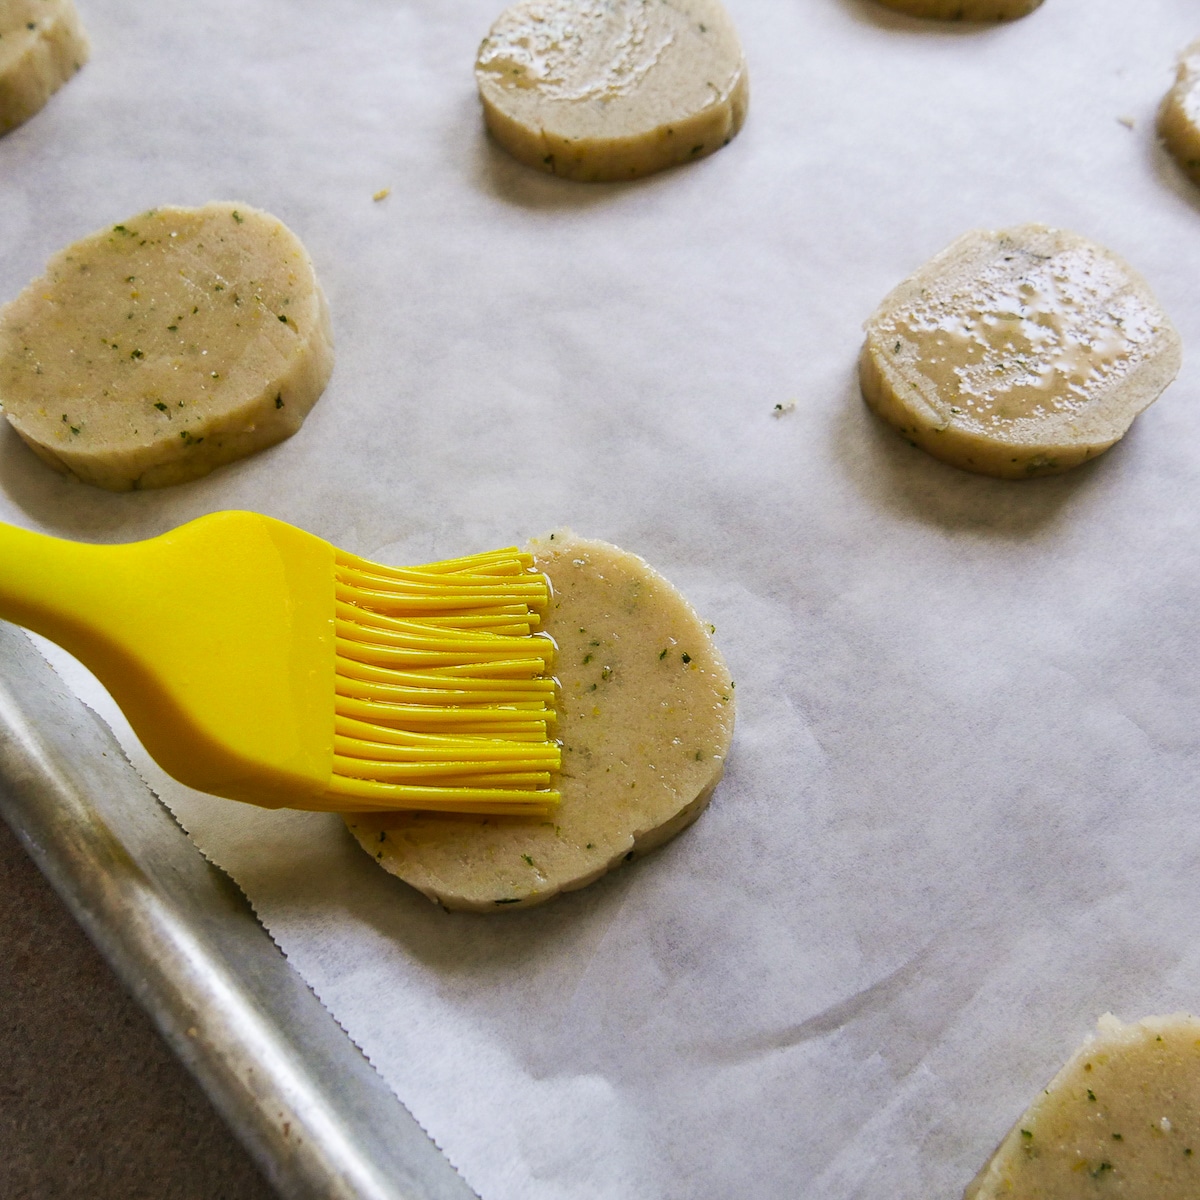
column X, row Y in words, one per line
column 444, row 697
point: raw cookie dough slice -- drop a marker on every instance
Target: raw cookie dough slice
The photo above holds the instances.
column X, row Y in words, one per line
column 965, row 10
column 1179, row 116
column 612, row 89
column 645, row 721
column 1122, row 1118
column 1018, row 353
column 42, row 44
column 153, row 351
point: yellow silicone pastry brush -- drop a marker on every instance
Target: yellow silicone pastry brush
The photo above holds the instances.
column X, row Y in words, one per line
column 258, row 662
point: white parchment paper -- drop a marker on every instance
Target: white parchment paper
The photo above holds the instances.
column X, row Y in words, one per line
column 960, row 817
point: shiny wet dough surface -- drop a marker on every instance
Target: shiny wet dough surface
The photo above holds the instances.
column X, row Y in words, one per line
column 605, row 91
column 1179, row 115
column 1017, row 353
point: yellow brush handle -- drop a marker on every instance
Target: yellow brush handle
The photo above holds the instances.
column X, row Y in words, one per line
column 216, row 640
column 67, row 591
column 221, row 643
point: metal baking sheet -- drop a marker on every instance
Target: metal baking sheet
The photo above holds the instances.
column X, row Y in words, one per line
column 311, row 1110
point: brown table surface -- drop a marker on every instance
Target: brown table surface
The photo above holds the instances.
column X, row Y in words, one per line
column 92, row 1102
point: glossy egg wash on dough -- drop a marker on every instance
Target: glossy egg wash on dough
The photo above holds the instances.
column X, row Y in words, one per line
column 612, row 89
column 1018, row 353
column 1179, row 115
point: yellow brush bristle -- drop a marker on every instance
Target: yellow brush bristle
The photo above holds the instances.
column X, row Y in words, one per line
column 444, row 699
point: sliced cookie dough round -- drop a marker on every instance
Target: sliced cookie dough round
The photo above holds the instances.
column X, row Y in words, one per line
column 42, row 44
column 965, row 10
column 155, row 350
column 645, row 721
column 1019, row 353
column 1179, row 114
column 1122, row 1118
column 612, row 89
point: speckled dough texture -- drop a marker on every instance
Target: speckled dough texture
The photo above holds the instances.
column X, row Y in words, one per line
column 965, row 10
column 1018, row 353
column 1179, row 115
column 595, row 91
column 1122, row 1118
column 42, row 44
column 159, row 348
column 645, row 720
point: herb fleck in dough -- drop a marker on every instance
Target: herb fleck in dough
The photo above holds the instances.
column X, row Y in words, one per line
column 157, row 349
column 1179, row 116
column 42, row 44
column 1122, row 1118
column 1019, row 353
column 645, row 720
column 965, row 10
column 612, row 89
